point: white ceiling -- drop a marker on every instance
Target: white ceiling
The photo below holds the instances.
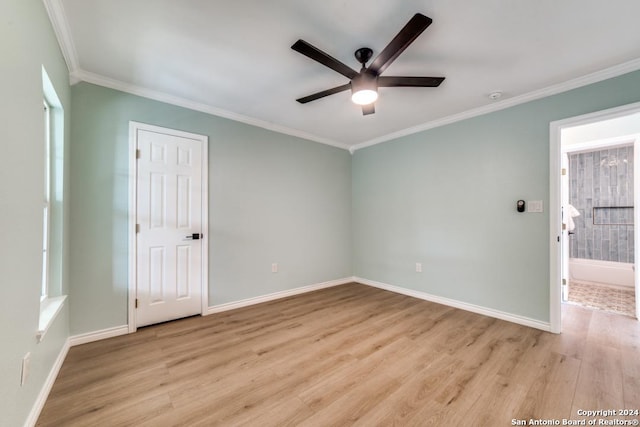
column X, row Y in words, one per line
column 233, row 58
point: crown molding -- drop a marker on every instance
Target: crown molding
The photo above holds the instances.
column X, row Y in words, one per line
column 61, row 28
column 615, row 71
column 598, row 76
column 97, row 79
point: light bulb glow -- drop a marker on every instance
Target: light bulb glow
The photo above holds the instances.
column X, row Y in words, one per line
column 364, row 97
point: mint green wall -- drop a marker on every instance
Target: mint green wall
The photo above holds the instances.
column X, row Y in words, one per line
column 27, row 42
column 446, row 198
column 272, row 198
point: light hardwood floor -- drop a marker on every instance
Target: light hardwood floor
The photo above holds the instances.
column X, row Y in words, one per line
column 349, row 355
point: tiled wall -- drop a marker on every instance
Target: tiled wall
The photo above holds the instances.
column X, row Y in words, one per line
column 602, row 180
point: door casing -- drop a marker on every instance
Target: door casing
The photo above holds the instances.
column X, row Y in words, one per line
column 555, row 205
column 133, row 185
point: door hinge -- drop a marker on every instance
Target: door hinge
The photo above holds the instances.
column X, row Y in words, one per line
column 564, row 171
column 137, row 228
column 564, row 226
column 564, row 281
column 136, row 302
column 137, row 153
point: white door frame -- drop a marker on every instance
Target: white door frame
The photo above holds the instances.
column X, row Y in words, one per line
column 133, row 194
column 555, row 205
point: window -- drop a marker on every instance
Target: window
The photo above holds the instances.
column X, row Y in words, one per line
column 51, row 287
column 46, row 222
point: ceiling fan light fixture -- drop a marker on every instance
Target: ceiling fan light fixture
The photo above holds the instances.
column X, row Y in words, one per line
column 364, row 89
column 364, row 97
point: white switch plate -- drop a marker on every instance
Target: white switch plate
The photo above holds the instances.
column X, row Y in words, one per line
column 418, row 267
column 274, row 267
column 535, row 206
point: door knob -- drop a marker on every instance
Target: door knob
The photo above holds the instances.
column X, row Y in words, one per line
column 194, row 236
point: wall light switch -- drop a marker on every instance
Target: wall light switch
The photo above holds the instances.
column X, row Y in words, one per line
column 418, row 267
column 274, row 267
column 535, row 206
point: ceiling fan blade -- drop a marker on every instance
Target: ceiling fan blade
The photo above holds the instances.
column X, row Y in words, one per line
column 400, row 42
column 328, row 61
column 368, row 109
column 398, row 81
column 324, row 93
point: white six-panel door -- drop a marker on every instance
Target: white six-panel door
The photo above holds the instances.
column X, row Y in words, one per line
column 169, row 235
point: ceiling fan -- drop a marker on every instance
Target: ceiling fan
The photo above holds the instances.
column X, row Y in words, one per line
column 364, row 84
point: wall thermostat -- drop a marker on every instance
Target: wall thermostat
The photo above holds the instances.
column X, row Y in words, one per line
column 520, row 205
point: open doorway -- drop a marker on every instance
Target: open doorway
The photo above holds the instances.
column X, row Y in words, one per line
column 592, row 160
column 598, row 244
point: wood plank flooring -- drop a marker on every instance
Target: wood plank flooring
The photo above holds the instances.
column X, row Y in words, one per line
column 349, row 355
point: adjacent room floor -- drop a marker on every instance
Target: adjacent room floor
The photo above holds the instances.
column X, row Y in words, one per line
column 611, row 298
column 349, row 355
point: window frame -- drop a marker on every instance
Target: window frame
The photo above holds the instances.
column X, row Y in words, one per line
column 46, row 214
column 51, row 299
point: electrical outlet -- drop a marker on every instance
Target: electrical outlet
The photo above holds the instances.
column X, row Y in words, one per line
column 418, row 267
column 25, row 368
column 274, row 267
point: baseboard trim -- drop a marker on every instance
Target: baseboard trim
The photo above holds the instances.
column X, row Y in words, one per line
column 277, row 295
column 509, row 317
column 32, row 419
column 98, row 335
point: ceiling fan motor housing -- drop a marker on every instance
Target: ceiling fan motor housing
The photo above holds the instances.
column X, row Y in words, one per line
column 364, row 81
column 363, row 55
column 364, row 88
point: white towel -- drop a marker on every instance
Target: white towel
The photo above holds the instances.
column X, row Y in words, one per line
column 571, row 212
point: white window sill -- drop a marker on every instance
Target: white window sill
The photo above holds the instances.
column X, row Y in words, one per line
column 49, row 309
